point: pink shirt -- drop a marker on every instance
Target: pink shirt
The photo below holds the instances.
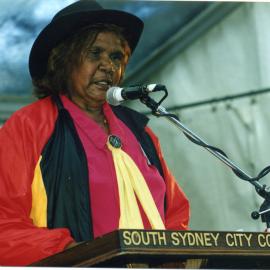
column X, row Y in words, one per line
column 104, row 198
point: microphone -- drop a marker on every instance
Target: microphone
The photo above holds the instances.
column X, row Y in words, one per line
column 116, row 95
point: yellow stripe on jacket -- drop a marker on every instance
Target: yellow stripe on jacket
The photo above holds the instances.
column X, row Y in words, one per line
column 39, row 199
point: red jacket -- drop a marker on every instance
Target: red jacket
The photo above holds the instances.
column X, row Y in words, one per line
column 22, row 139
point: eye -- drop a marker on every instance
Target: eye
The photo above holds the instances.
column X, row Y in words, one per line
column 117, row 57
column 94, row 53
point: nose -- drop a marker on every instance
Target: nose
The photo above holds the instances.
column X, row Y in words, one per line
column 106, row 64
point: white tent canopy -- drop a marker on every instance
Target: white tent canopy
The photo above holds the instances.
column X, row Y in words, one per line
column 231, row 58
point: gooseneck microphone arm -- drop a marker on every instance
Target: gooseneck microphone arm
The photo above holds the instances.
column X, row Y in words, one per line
column 262, row 190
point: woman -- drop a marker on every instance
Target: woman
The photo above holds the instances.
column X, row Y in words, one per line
column 73, row 168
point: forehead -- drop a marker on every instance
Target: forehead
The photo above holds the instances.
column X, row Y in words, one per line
column 109, row 40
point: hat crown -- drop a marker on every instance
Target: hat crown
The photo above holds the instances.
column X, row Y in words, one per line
column 71, row 19
column 77, row 7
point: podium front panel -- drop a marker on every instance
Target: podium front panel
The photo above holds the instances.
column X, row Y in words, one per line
column 154, row 248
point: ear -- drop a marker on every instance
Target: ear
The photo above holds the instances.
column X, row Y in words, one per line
column 125, row 62
column 122, row 76
column 123, row 69
column 124, row 65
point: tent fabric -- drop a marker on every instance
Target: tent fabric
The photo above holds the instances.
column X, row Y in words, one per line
column 231, row 58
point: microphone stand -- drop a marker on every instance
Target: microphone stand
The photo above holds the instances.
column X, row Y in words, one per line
column 262, row 190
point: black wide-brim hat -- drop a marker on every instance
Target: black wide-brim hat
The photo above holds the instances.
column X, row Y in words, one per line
column 71, row 19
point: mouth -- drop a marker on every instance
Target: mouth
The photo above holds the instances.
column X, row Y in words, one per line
column 103, row 84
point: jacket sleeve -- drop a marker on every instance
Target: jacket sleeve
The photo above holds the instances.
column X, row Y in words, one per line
column 22, row 243
column 177, row 212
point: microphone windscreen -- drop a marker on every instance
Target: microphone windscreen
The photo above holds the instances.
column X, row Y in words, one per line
column 113, row 96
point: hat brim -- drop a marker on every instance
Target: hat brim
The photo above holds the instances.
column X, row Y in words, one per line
column 65, row 26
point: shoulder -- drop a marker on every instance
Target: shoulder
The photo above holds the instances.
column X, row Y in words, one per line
column 130, row 117
column 30, row 127
column 40, row 111
column 42, row 107
column 36, row 118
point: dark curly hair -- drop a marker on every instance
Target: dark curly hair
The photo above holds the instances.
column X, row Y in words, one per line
column 68, row 55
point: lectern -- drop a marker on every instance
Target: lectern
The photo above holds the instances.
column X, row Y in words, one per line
column 169, row 249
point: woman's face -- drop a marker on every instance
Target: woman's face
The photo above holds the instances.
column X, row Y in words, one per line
column 101, row 68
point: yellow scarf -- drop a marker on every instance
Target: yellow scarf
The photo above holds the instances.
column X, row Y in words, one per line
column 131, row 184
